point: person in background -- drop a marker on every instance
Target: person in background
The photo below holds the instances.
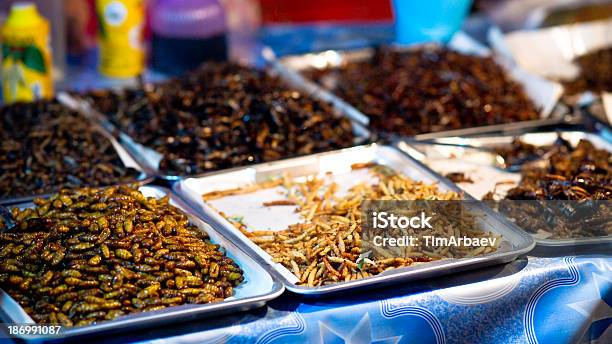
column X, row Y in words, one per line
column 80, row 27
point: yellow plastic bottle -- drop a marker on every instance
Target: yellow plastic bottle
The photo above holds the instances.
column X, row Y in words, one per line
column 26, row 55
column 120, row 29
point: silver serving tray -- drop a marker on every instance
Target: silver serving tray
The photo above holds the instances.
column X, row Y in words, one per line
column 126, row 157
column 479, row 167
column 150, row 159
column 596, row 112
column 549, row 52
column 545, row 94
column 259, row 287
column 515, row 241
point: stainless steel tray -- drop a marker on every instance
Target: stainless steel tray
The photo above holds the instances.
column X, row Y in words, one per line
column 549, row 52
column 126, row 157
column 258, row 288
column 480, row 168
column 150, row 159
column 596, row 115
column 543, row 93
column 515, row 243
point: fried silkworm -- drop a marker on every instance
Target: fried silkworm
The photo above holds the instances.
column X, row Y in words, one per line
column 85, row 282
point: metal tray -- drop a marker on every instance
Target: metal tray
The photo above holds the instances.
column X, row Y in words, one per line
column 543, row 93
column 126, row 157
column 258, row 288
column 565, row 12
column 150, row 159
column 596, row 111
column 515, row 241
column 480, row 168
column 550, row 52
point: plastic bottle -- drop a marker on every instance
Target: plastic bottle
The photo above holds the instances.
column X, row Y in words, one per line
column 243, row 22
column 120, row 37
column 187, row 33
column 26, row 52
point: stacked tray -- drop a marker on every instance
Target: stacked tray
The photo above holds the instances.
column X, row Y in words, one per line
column 327, row 68
column 339, row 164
column 471, row 158
column 254, row 291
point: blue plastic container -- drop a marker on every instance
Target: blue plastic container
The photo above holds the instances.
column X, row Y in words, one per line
column 418, row 21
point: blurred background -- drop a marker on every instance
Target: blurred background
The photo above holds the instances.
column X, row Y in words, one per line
column 177, row 34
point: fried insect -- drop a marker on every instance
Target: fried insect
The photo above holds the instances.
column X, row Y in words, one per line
column 595, row 73
column 224, row 115
column 569, row 189
column 567, row 172
column 458, row 177
column 58, row 275
column 327, row 248
column 45, row 147
column 428, row 90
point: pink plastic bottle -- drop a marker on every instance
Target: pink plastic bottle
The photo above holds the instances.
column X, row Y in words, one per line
column 187, row 33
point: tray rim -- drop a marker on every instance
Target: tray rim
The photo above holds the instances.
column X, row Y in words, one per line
column 395, row 275
column 201, row 311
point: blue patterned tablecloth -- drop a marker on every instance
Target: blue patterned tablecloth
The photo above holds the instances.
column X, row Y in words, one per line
column 531, row 300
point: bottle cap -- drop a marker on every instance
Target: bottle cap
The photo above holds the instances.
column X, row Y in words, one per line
column 23, row 13
column 188, row 18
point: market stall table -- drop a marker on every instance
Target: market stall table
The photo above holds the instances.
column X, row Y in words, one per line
column 562, row 299
column 545, row 300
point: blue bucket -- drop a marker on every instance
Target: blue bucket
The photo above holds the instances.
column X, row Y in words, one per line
column 418, row 21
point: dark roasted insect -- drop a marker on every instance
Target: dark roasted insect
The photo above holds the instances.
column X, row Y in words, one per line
column 58, row 275
column 567, row 194
column 45, row 147
column 572, row 173
column 428, row 90
column 221, row 116
column 595, row 73
column 458, row 177
column 521, row 153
